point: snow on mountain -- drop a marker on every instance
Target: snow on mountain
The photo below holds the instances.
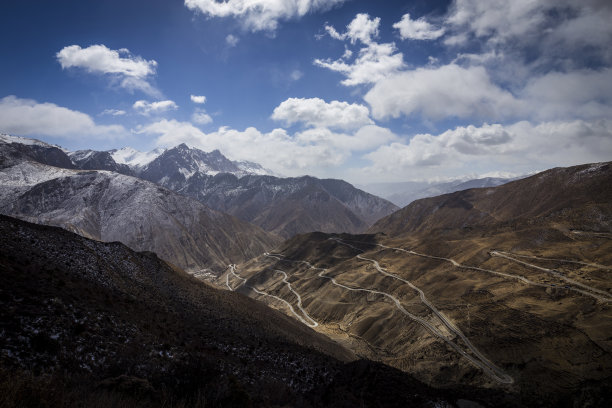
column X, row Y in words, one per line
column 23, row 140
column 254, row 168
column 134, row 158
column 108, row 206
column 96, row 160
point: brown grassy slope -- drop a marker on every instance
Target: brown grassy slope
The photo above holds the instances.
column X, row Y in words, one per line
column 552, row 339
column 580, row 197
column 555, row 343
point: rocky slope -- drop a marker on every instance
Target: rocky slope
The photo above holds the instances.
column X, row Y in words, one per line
column 284, row 206
column 109, row 206
column 289, row 206
column 86, row 323
column 14, row 150
column 504, row 288
column 94, row 160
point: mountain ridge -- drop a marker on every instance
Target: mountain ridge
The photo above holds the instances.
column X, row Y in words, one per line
column 282, row 206
column 110, row 206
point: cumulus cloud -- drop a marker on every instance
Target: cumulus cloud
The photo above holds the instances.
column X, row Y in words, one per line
column 200, row 99
column 585, row 94
column 147, row 108
column 260, row 15
column 26, row 117
column 313, row 151
column 373, row 62
column 129, row 71
column 367, row 137
column 418, row 29
column 441, row 92
column 316, row 112
column 361, row 28
column 520, row 147
column 453, row 91
column 565, row 32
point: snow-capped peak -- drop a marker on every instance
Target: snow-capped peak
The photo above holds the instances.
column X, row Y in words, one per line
column 23, row 140
column 135, row 158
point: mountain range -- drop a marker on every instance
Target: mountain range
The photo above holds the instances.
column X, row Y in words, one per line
column 282, row 206
column 110, row 206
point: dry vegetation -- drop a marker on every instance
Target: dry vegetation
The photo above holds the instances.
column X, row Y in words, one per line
column 522, row 270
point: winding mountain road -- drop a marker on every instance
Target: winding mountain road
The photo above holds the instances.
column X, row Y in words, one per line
column 479, row 361
column 312, row 323
column 588, row 290
column 299, row 298
column 541, row 258
column 598, row 294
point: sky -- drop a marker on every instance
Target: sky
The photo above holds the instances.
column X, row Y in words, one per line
column 366, row 91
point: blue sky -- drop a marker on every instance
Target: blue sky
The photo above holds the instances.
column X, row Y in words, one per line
column 361, row 90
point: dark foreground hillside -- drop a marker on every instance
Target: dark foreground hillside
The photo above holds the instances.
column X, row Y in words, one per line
column 86, row 323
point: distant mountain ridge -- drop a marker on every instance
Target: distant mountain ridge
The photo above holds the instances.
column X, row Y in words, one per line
column 403, row 193
column 109, row 206
column 283, row 206
column 584, row 190
column 289, row 206
column 94, row 160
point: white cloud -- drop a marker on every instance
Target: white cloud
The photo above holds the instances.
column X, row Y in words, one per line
column 374, row 61
column 113, row 112
column 568, row 32
column 362, row 28
column 453, row 91
column 129, row 71
column 441, row 92
column 26, row 117
column 232, row 40
column 316, row 112
column 418, row 29
column 200, row 99
column 201, row 117
column 313, row 151
column 584, row 94
column 367, row 137
column 147, row 108
column 260, row 15
column 517, row 148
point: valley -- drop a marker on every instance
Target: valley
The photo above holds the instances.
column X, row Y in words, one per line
column 495, row 290
column 496, row 304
